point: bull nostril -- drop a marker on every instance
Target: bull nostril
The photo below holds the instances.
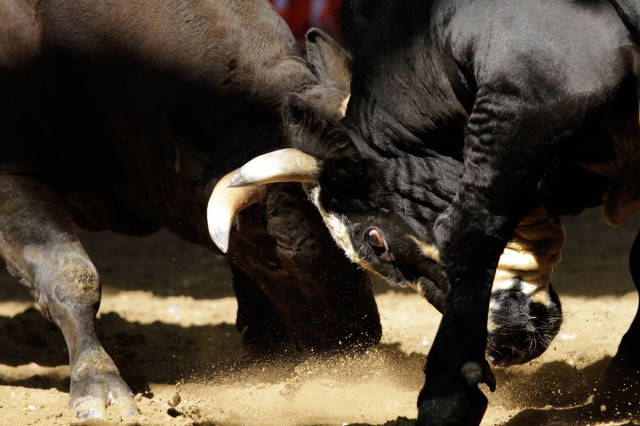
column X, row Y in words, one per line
column 505, row 356
column 493, row 356
column 518, row 357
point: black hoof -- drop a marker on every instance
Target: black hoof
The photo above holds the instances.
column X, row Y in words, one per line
column 475, row 373
column 458, row 409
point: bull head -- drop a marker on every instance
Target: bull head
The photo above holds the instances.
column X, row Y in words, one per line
column 388, row 235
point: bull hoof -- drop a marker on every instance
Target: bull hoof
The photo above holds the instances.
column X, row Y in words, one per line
column 457, row 409
column 88, row 408
column 475, row 373
column 94, row 408
column 443, row 411
column 95, row 385
column 127, row 407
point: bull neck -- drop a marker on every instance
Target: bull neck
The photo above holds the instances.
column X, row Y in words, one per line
column 405, row 96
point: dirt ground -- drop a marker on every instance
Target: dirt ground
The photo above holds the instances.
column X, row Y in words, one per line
column 167, row 319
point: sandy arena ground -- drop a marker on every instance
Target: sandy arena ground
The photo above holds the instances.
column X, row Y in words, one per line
column 167, row 319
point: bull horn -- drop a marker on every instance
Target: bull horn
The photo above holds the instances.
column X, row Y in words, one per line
column 224, row 205
column 285, row 165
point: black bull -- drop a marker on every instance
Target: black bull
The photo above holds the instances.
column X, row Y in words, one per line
column 472, row 126
column 124, row 115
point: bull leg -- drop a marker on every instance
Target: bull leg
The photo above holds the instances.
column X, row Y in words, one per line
column 508, row 165
column 38, row 243
column 620, row 386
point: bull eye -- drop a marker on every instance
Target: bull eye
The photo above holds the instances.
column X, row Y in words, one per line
column 374, row 238
column 378, row 244
column 269, row 262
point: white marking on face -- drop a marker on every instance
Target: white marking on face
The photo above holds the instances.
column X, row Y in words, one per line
column 338, row 230
column 429, row 250
column 414, row 286
column 366, row 265
column 529, row 256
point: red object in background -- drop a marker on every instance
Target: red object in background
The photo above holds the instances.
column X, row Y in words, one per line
column 304, row 14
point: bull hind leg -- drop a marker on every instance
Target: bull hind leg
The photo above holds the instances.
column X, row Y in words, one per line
column 621, row 387
column 39, row 245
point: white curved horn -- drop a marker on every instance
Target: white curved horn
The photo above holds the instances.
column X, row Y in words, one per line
column 285, row 165
column 224, row 205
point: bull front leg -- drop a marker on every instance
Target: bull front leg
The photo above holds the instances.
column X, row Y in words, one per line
column 456, row 362
column 39, row 245
column 507, row 167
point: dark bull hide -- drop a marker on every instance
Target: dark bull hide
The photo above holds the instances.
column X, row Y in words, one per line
column 124, row 115
column 472, row 126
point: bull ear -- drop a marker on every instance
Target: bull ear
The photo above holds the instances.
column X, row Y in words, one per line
column 309, row 128
column 331, row 63
column 316, row 133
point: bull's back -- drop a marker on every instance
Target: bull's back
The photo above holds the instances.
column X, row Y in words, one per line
column 221, row 41
column 88, row 85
